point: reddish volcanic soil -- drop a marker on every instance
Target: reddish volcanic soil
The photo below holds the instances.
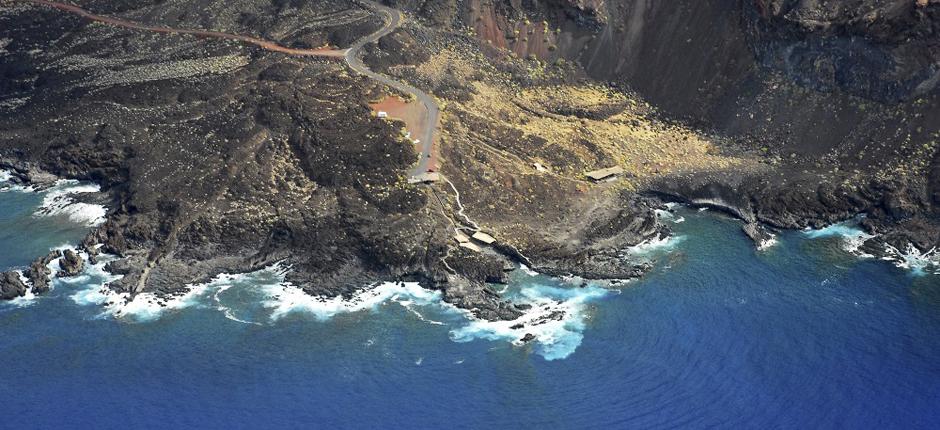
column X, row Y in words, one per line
column 411, row 113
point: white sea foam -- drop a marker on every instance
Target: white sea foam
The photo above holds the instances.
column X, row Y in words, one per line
column 556, row 317
column 284, row 299
column 143, row 307
column 658, row 244
column 27, row 299
column 851, row 235
column 92, row 281
column 6, row 183
column 669, row 214
column 525, row 269
column 58, row 201
column 910, row 258
column 556, row 320
column 913, row 259
column 766, row 244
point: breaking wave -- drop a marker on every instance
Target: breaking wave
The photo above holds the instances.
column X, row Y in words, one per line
column 6, row 183
column 851, row 235
column 668, row 214
column 58, row 201
column 910, row 258
column 655, row 245
column 554, row 324
column 27, row 299
column 917, row 261
column 285, row 299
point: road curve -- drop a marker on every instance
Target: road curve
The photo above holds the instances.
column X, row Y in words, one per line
column 393, row 20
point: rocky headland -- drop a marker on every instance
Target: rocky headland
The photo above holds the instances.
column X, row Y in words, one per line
column 218, row 156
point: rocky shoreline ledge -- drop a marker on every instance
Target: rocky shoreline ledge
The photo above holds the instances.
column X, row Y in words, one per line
column 465, row 280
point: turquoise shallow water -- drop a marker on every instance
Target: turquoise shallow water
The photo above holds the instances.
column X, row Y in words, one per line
column 719, row 335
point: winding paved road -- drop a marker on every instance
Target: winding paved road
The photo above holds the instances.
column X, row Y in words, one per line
column 393, row 19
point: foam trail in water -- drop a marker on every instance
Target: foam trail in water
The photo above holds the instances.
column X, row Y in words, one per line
column 58, row 201
column 525, row 269
column 6, row 183
column 658, row 244
column 918, row 262
column 852, row 236
column 285, row 299
column 768, row 243
column 143, row 307
column 668, row 214
column 555, row 321
column 27, row 299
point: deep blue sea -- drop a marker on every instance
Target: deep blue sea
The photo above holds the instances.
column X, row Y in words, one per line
column 802, row 335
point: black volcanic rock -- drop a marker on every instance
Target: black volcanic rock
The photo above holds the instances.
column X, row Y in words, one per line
column 71, row 263
column 483, row 302
column 11, row 286
column 39, row 272
column 220, row 157
column 758, row 234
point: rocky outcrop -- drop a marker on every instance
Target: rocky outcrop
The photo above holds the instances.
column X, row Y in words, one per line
column 71, row 264
column 479, row 299
column 11, row 286
column 758, row 234
column 39, row 273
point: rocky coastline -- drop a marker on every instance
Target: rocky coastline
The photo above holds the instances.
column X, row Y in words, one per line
column 254, row 158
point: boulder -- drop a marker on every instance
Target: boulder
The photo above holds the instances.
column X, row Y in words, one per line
column 11, row 286
column 71, row 264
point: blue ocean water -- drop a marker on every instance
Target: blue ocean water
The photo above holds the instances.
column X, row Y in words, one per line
column 803, row 335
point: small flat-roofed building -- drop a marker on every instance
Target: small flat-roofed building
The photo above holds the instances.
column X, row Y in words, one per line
column 382, row 114
column 461, row 238
column 471, row 246
column 425, row 178
column 483, row 238
column 604, row 174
